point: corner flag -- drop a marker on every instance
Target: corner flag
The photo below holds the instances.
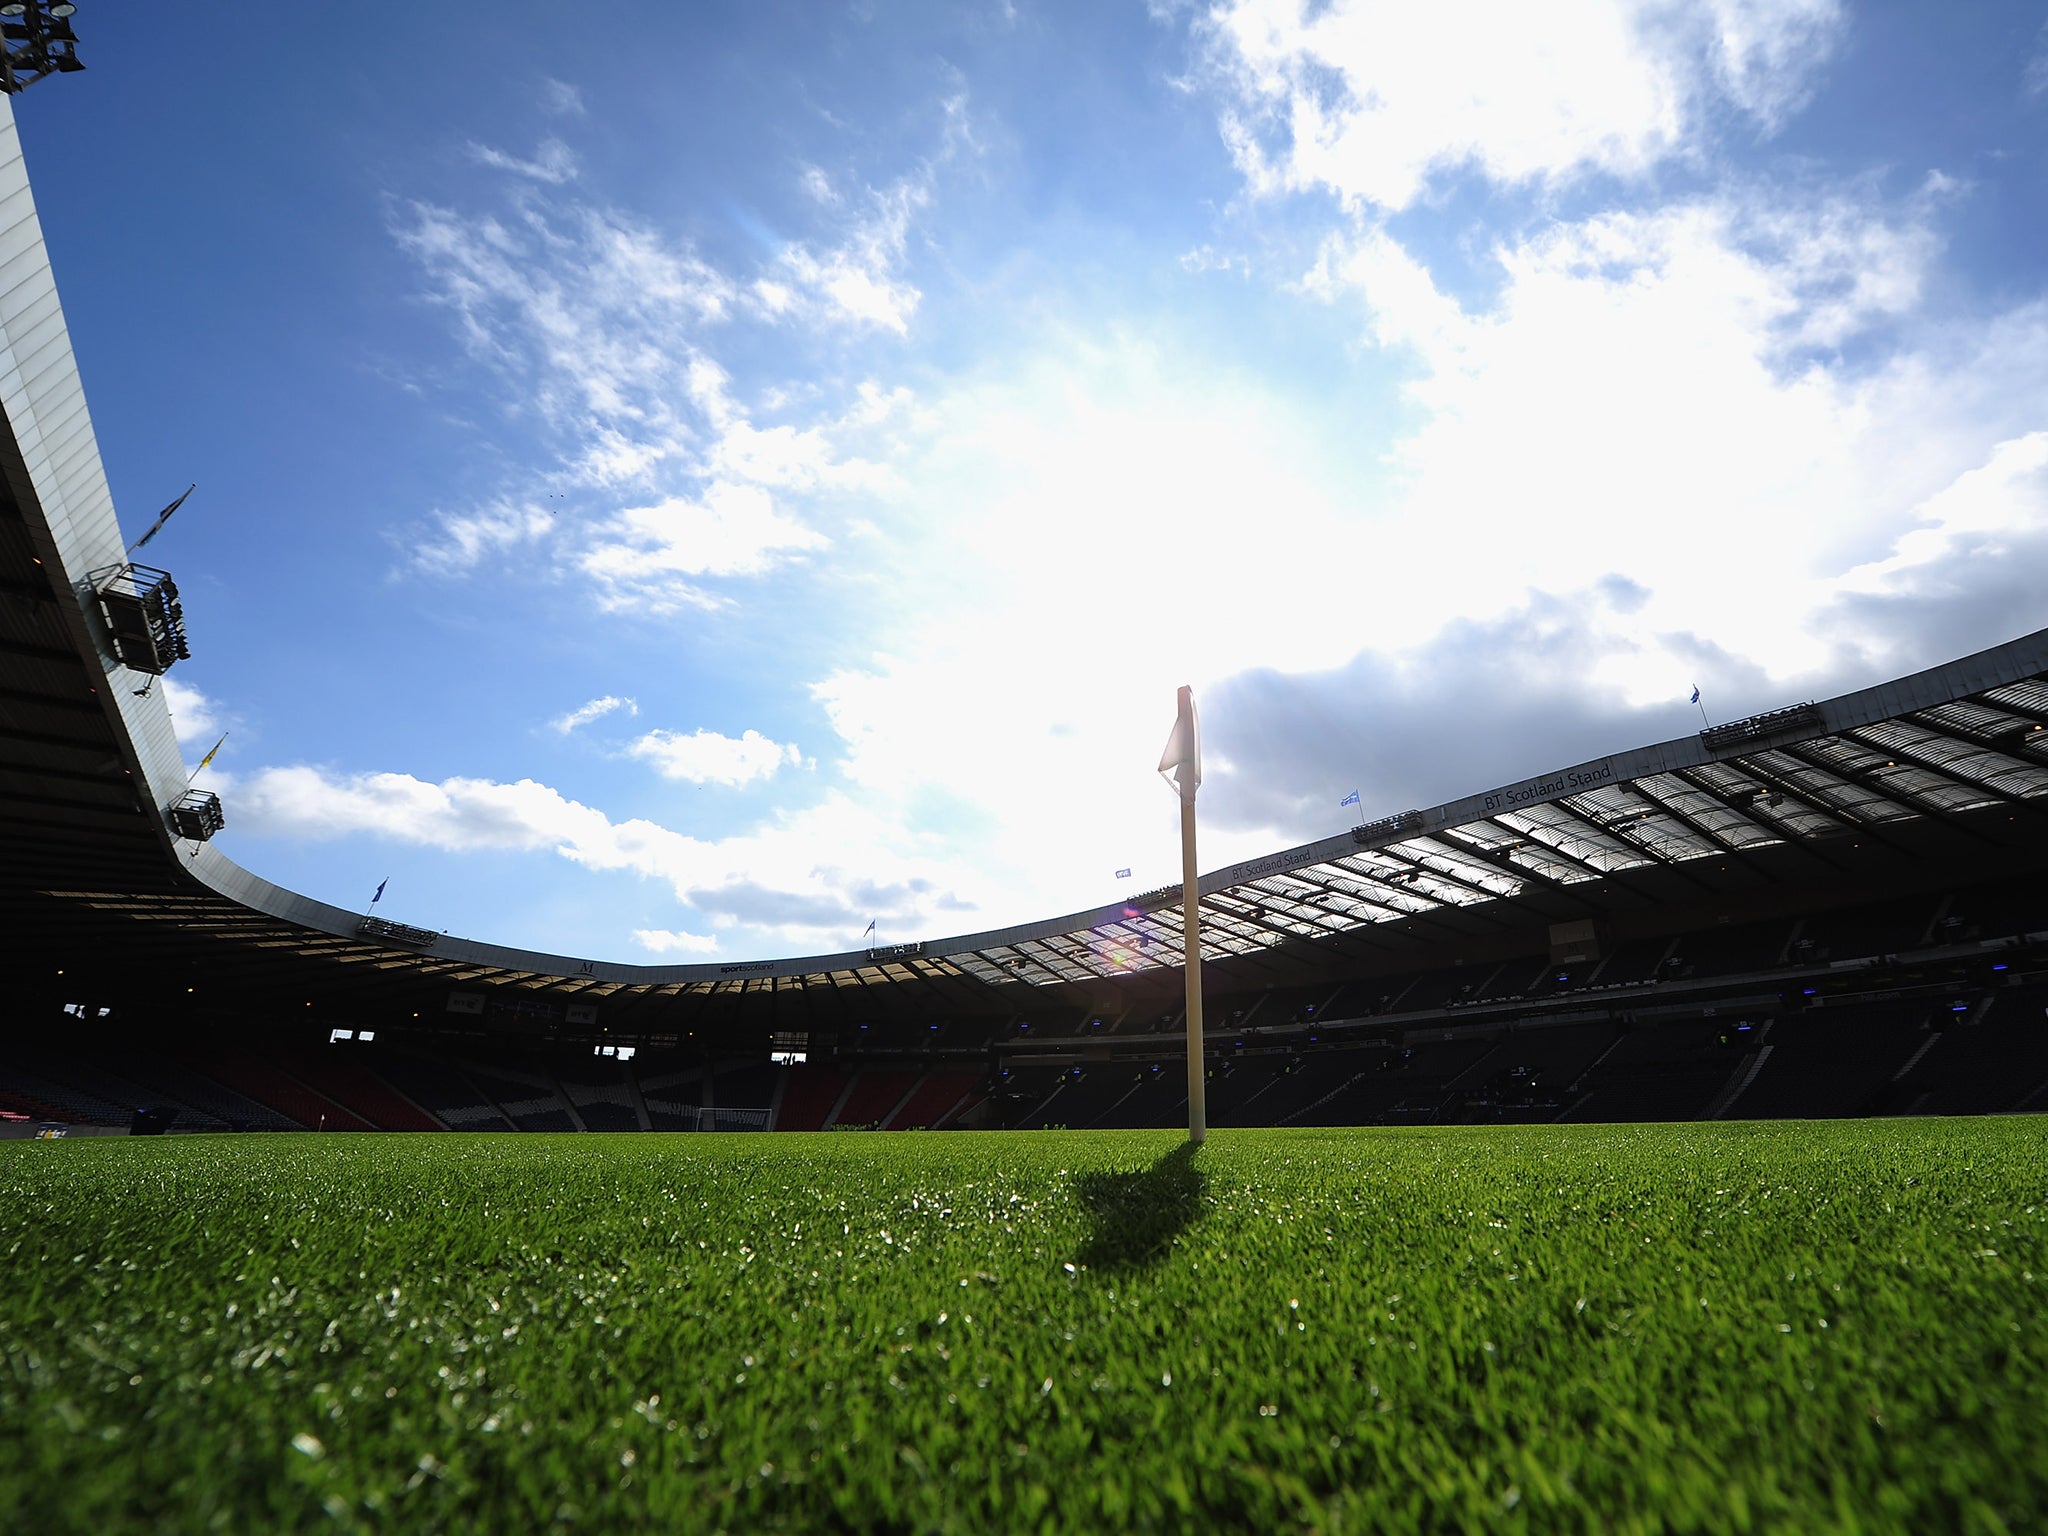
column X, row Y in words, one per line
column 1182, row 759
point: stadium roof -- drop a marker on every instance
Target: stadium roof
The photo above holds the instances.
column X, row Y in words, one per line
column 1945, row 769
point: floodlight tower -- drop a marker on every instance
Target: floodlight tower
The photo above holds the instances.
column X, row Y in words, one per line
column 36, row 40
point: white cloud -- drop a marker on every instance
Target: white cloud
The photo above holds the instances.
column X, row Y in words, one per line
column 196, row 718
column 591, row 318
column 600, row 330
column 819, row 185
column 1373, row 101
column 642, row 556
column 706, row 757
column 805, row 881
column 672, row 942
column 1645, row 395
column 855, row 280
column 1764, row 53
column 553, row 163
column 1207, row 258
column 596, row 709
column 2034, row 78
column 1980, row 514
column 560, row 99
column 461, row 541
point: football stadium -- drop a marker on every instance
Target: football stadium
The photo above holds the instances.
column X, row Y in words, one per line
column 1647, row 1143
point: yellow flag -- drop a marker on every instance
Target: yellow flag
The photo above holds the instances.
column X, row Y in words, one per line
column 209, row 756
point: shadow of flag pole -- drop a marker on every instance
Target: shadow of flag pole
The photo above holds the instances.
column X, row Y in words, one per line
column 1181, row 762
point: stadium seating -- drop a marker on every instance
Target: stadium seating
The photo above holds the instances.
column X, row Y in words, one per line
column 601, row 1090
column 345, row 1078
column 809, row 1095
column 1920, row 1003
column 1670, row 1072
column 744, row 1084
column 1232, row 1096
column 1736, row 949
column 443, row 1091
column 1875, row 928
column 1631, row 962
column 45, row 1098
column 1832, row 1061
column 529, row 1100
column 874, row 1097
column 935, row 1096
column 267, row 1082
column 1997, row 1063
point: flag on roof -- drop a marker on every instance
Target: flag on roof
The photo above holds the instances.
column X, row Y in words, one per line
column 162, row 518
column 869, row 929
column 380, row 890
column 1695, row 694
column 1350, row 799
column 1182, row 759
column 1123, row 874
column 210, row 756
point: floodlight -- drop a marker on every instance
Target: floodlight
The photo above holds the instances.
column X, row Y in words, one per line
column 38, row 41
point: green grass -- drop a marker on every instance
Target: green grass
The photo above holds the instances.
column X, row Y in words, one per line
column 1792, row 1327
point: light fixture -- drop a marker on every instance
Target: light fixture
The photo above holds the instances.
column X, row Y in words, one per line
column 13, row 8
column 62, row 9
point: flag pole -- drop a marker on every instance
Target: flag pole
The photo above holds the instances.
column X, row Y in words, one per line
column 1191, row 949
column 1182, row 763
column 207, row 759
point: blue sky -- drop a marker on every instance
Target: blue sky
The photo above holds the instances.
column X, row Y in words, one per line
column 691, row 486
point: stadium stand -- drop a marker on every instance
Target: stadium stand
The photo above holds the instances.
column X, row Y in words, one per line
column 748, row 1085
column 1666, row 1073
column 1738, row 949
column 809, row 1096
column 443, row 1091
column 874, row 1098
column 1833, row 1062
column 334, row 1076
column 529, row 1100
column 604, row 1095
column 267, row 1082
column 1997, row 1061
column 937, row 1095
column 176, row 1081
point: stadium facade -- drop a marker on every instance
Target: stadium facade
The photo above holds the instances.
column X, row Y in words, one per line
column 1887, row 846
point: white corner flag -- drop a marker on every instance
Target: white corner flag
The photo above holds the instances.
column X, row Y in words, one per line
column 1181, row 765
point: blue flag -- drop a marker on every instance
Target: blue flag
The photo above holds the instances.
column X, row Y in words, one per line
column 1695, row 694
column 380, row 890
column 1350, row 799
column 1123, row 874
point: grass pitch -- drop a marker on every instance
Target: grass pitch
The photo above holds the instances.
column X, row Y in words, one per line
column 1817, row 1326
